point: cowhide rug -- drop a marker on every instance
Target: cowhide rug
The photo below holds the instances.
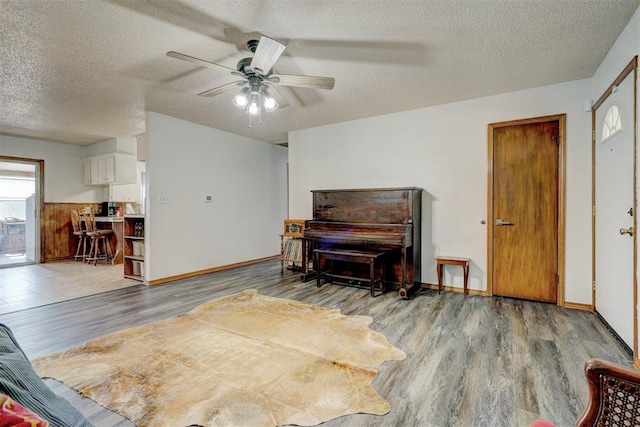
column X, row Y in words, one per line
column 246, row 359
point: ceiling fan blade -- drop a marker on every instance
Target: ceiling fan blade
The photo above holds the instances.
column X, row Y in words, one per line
column 221, row 89
column 281, row 100
column 199, row 61
column 303, row 81
column 267, row 53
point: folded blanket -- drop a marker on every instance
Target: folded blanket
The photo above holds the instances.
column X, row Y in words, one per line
column 20, row 382
column 13, row 414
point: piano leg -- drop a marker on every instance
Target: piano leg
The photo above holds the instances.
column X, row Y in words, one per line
column 316, row 266
column 403, row 276
column 307, row 256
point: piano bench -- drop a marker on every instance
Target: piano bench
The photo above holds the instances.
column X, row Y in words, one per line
column 371, row 258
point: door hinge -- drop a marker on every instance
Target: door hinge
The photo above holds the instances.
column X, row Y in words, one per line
column 557, row 279
column 593, row 286
column 593, row 134
column 593, row 210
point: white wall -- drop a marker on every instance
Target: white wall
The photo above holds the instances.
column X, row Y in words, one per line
column 443, row 150
column 127, row 145
column 63, row 168
column 247, row 179
column 624, row 49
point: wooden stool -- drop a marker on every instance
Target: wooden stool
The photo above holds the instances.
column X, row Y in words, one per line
column 97, row 236
column 76, row 222
column 452, row 260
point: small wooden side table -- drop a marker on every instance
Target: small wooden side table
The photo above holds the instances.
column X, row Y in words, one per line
column 452, row 260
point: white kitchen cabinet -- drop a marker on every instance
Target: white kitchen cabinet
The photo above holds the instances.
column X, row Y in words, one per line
column 107, row 169
column 91, row 171
column 114, row 168
column 124, row 193
column 128, row 192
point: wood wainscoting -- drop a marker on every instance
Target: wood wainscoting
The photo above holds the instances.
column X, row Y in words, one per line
column 58, row 241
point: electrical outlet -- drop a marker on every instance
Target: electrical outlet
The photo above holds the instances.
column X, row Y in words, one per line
column 163, row 198
column 208, row 198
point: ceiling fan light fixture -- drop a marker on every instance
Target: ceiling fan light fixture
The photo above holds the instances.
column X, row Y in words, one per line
column 268, row 101
column 254, row 104
column 242, row 98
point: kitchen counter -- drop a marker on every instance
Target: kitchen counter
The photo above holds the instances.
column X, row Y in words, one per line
column 115, row 223
column 109, row 219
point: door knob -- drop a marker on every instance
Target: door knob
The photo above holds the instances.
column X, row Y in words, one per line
column 628, row 231
column 503, row 222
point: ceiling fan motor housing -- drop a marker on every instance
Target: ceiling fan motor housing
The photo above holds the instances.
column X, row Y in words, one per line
column 253, row 45
column 242, row 64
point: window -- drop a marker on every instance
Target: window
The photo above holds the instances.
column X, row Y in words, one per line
column 612, row 123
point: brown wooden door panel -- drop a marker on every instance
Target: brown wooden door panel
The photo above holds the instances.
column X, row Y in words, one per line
column 525, row 194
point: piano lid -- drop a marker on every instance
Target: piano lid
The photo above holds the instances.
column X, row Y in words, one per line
column 374, row 206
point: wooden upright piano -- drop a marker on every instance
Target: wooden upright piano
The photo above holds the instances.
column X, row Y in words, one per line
column 387, row 219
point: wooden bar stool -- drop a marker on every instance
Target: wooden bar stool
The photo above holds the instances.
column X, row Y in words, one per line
column 78, row 230
column 97, row 236
column 452, row 260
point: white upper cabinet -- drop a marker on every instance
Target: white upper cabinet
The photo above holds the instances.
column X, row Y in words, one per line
column 90, row 171
column 114, row 168
column 128, row 192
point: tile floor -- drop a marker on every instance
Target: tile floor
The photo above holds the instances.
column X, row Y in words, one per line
column 11, row 259
column 35, row 285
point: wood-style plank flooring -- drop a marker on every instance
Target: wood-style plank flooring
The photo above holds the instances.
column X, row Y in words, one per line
column 472, row 361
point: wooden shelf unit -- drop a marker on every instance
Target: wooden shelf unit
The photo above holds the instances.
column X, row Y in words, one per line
column 292, row 245
column 133, row 236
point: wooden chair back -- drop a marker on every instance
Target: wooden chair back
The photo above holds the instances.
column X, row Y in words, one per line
column 76, row 222
column 90, row 221
column 614, row 395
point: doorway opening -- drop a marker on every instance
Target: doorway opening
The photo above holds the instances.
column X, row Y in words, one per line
column 20, row 205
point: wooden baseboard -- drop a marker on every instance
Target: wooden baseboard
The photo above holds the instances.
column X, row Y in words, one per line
column 452, row 289
column 577, row 306
column 209, row 270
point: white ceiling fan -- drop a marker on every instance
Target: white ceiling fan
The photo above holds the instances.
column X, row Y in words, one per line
column 258, row 80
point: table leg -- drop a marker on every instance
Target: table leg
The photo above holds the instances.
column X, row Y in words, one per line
column 281, row 255
column 439, row 271
column 466, row 279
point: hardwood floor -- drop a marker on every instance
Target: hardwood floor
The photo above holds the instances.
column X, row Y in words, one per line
column 470, row 361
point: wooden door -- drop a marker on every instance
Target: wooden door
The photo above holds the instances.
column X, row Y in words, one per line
column 525, row 190
column 614, row 214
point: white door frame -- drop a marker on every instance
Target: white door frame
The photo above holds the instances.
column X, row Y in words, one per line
column 38, row 208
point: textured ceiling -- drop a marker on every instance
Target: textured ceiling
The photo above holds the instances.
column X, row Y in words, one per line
column 84, row 71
